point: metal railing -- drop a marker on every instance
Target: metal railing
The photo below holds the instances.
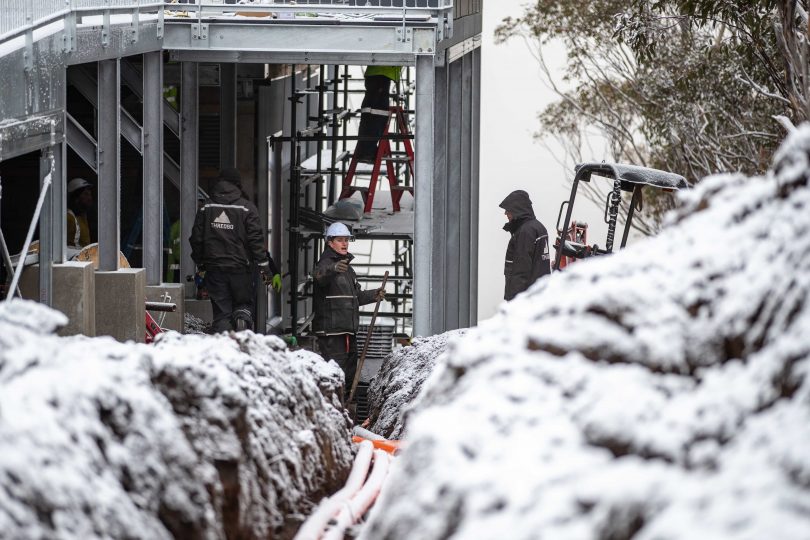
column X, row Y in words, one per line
column 201, row 8
column 22, row 14
column 18, row 17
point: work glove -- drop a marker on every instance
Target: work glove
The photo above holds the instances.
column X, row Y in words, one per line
column 341, row 266
column 276, row 282
column 379, row 295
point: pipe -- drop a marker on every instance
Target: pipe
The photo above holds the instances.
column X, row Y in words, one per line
column 361, row 502
column 366, row 434
column 314, row 525
column 46, row 183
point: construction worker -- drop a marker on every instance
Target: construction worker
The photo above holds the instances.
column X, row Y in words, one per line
column 227, row 243
column 79, row 203
column 527, row 257
column 337, row 299
column 374, row 110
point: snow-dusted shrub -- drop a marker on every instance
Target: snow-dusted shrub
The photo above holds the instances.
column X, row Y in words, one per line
column 399, row 380
column 663, row 392
column 194, row 437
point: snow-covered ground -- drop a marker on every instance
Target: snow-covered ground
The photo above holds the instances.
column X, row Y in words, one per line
column 399, row 380
column 193, row 437
column 662, row 392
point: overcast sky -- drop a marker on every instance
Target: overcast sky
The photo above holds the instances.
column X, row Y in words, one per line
column 512, row 93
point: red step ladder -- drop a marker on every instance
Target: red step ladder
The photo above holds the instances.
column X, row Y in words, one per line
column 385, row 154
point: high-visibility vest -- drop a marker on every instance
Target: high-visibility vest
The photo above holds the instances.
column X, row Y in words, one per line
column 392, row 72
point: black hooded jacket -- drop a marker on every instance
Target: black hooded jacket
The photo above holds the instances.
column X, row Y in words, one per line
column 527, row 257
column 338, row 296
column 227, row 233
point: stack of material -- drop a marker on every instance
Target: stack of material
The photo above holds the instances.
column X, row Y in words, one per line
column 663, row 392
column 193, row 437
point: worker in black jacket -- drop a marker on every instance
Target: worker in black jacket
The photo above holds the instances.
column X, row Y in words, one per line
column 227, row 243
column 527, row 256
column 337, row 299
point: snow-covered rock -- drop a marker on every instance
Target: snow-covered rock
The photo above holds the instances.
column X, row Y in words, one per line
column 193, row 437
column 400, row 378
column 663, row 392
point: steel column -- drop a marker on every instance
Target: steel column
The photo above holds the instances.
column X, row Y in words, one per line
column 475, row 133
column 59, row 205
column 465, row 135
column 109, row 164
column 46, row 239
column 276, row 183
column 153, row 167
column 264, row 107
column 453, row 202
column 189, row 164
column 423, row 200
column 227, row 115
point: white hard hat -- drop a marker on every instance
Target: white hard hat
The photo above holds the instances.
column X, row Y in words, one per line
column 338, row 229
column 76, row 184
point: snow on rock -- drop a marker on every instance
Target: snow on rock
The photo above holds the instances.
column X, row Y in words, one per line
column 194, row 437
column 663, row 392
column 399, row 380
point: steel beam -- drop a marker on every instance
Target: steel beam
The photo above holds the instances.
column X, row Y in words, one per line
column 300, row 44
column 153, row 167
column 81, row 142
column 189, row 164
column 227, row 115
column 133, row 79
column 131, row 130
column 423, row 197
column 109, row 164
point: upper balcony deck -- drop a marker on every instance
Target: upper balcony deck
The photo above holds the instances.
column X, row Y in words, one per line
column 266, row 31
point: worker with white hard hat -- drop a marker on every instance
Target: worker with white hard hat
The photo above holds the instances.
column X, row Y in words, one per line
column 79, row 203
column 337, row 299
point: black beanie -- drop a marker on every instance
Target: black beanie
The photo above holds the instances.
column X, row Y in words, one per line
column 231, row 175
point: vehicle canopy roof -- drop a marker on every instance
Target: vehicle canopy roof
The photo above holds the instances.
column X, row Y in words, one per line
column 632, row 175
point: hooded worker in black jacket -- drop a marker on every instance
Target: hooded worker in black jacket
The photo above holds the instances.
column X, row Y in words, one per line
column 337, row 301
column 527, row 257
column 227, row 243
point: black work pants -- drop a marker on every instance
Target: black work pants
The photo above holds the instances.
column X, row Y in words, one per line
column 231, row 294
column 341, row 348
column 378, row 97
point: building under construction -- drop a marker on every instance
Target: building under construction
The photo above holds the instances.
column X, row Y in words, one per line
column 149, row 100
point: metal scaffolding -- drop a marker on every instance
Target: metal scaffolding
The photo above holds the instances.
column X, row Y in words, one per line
column 319, row 152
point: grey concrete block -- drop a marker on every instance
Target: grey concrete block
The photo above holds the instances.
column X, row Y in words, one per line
column 201, row 309
column 74, row 294
column 120, row 308
column 174, row 320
